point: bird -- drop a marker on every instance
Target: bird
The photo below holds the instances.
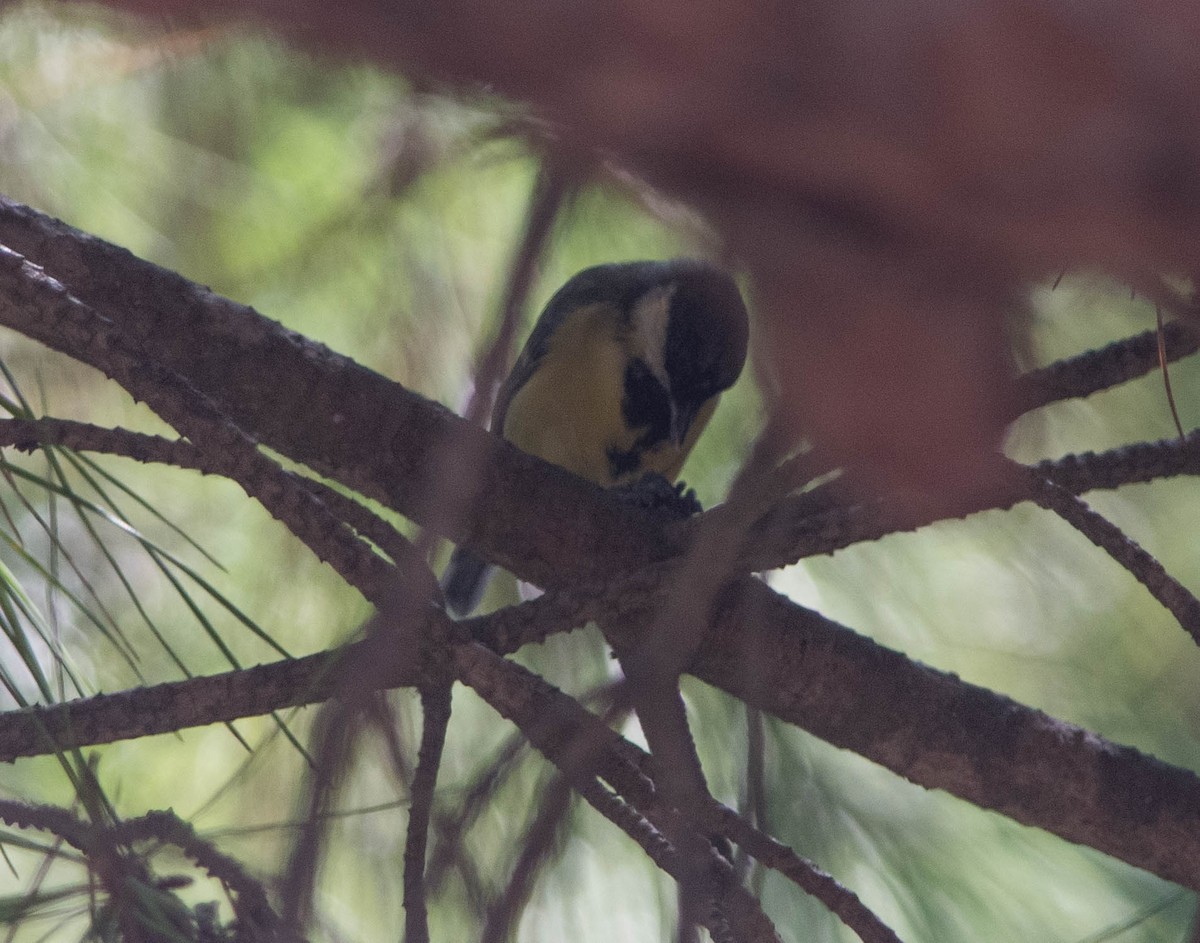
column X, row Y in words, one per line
column 617, row 380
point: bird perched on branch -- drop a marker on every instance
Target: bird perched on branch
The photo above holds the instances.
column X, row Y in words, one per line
column 618, row 379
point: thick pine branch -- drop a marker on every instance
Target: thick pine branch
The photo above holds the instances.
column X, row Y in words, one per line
column 930, row 727
column 821, row 676
column 257, row 372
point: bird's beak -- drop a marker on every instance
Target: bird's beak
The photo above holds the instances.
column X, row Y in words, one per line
column 681, row 421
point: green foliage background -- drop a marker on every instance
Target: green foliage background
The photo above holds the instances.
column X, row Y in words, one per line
column 379, row 217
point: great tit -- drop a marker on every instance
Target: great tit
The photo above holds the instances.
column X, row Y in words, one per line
column 618, row 379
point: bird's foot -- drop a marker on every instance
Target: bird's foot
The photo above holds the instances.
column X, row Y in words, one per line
column 653, row 492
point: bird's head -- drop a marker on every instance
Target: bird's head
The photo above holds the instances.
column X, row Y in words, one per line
column 690, row 327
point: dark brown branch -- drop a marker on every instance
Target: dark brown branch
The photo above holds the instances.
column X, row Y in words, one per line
column 1173, row 595
column 807, row 651
column 175, row 705
column 1104, row 368
column 816, row 526
column 812, row 524
column 435, row 717
column 581, row 747
column 936, row 730
column 544, row 832
column 29, row 434
column 789, row 533
column 233, row 355
column 302, row 400
column 224, row 349
column 250, row 903
column 626, row 767
column 29, row 297
column 98, row 842
column 841, row 901
column 927, row 726
column 1138, row 463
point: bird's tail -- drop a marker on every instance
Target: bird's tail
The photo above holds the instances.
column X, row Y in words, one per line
column 464, row 581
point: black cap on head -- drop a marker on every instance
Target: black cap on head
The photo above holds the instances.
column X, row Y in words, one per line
column 707, row 332
column 707, row 329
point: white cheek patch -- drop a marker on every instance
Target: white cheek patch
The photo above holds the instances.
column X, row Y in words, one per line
column 651, row 314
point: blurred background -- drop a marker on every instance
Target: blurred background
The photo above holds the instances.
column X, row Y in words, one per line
column 379, row 216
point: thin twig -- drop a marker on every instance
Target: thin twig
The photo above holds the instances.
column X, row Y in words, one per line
column 435, row 710
column 337, row 730
column 1174, row 596
column 840, row 901
column 28, row 434
column 454, row 469
column 756, row 791
column 1164, row 368
column 549, row 189
column 809, row 525
column 250, row 899
column 553, row 806
column 451, row 827
column 1102, row 368
column 742, row 911
column 667, row 645
column 553, row 184
column 25, row 291
column 581, row 746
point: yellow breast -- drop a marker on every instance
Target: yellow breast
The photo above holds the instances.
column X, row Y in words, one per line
column 569, row 411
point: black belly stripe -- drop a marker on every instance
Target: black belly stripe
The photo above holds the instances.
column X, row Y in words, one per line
column 623, row 461
column 645, row 403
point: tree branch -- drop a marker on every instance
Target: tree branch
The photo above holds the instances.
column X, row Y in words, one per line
column 883, row 177
column 927, row 726
column 1126, row 551
column 30, row 299
column 813, row 524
